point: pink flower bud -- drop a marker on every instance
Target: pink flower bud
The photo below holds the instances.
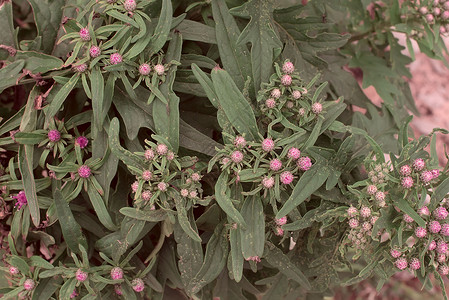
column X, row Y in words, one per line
column 352, row 211
column 138, row 285
column 29, row 284
column 162, row 186
column 13, row 270
column 275, row 164
column 118, row 289
column 135, row 186
column 419, row 164
column 423, row 10
column 353, row 223
column 279, row 231
column 54, row 135
column 237, row 157
column 420, row 232
column 365, row 212
column 159, row 69
column 286, row 177
column 435, row 173
column 301, row 112
column 81, row 141
column 184, row 192
column 149, row 154
column 146, row 195
column 239, row 141
column 440, row 213
column 405, row 170
column 415, row 264
column 268, row 182
column 144, row 69
column 443, row 270
column 268, row 145
column 116, row 273
column 442, row 247
column 270, row 103
column 115, row 58
column 304, row 163
column 276, row 93
column 296, row 94
column 170, row 155
column 161, row 149
column 436, row 11
column 288, row 67
column 407, row 182
column 195, row 177
column 294, row 153
column 380, row 196
column 432, row 245
column 74, row 294
column 445, row 15
column 407, row 218
column 84, row 171
column 395, row 253
column 84, row 34
column 434, row 227
column 94, row 51
column 366, row 226
column 281, row 221
column 424, row 211
column 80, row 68
column 445, row 230
column 147, row 175
column 374, row 219
column 80, row 275
column 286, row 80
column 429, row 18
column 130, row 5
column 371, row 189
column 401, row 263
column 317, row 108
column 426, row 177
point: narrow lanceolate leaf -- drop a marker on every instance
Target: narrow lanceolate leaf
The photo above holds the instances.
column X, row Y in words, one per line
column 162, row 28
column 7, row 25
column 10, row 74
column 308, row 183
column 190, row 253
column 235, row 57
column 235, row 106
column 236, row 254
column 124, row 155
column 265, row 43
column 97, row 86
column 71, row 230
column 166, row 117
column 224, row 201
column 149, row 216
column 184, row 220
column 38, row 62
column 440, row 192
column 276, row 258
column 404, row 206
column 59, row 98
column 214, row 260
column 100, row 208
column 253, row 236
column 26, row 169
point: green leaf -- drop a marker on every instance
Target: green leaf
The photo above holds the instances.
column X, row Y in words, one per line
column 280, row 261
column 67, row 288
column 38, row 62
column 97, row 84
column 7, row 35
column 253, row 236
column 58, row 99
column 183, row 219
column 26, row 169
column 235, row 57
column 124, row 155
column 308, row 183
column 223, row 200
column 235, row 106
column 29, row 138
column 71, row 230
column 440, row 192
column 10, row 73
column 403, row 205
column 266, row 45
column 100, row 208
column 196, row 31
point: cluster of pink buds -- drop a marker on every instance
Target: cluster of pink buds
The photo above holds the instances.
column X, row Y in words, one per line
column 253, row 258
column 80, row 275
column 435, row 11
column 361, row 223
column 116, row 273
column 138, row 285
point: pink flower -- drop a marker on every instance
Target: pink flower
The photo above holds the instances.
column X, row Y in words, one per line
column 170, row 155
column 267, row 145
column 115, row 58
column 54, row 135
column 442, row 247
column 159, row 69
column 434, row 227
column 441, row 258
column 195, row 177
column 162, row 186
column 116, row 273
column 286, row 80
column 296, row 94
column 419, row 164
column 429, row 18
column 268, row 182
column 270, row 103
column 435, row 173
column 21, row 199
column 13, row 270
column 184, row 192
column 401, row 263
column 286, row 177
column 374, row 219
column 135, row 186
column 443, row 270
column 144, row 69
column 415, row 264
column 395, row 253
column 304, row 163
column 424, row 211
column 407, row 182
column 276, row 93
column 80, row 275
column 146, row 195
column 366, row 226
column 74, row 294
column 239, row 141
column 84, row 34
column 81, row 68
column 445, row 230
column 423, row 10
column 138, row 285
column 281, row 221
column 193, row 194
column 147, row 175
column 420, row 232
column 432, row 245
column 149, row 154
column 380, row 196
column 118, row 289
column 353, row 223
column 445, row 15
column 301, row 112
column 161, row 149
column 82, row 142
column 94, row 51
column 279, row 231
column 294, row 153
column 84, row 171
column 317, row 108
column 29, row 284
column 405, row 170
column 275, row 164
column 288, row 67
column 130, row 5
column 440, row 213
column 371, row 189
column 365, row 212
column 426, row 177
column 237, row 157
column 407, row 218
column 352, row 211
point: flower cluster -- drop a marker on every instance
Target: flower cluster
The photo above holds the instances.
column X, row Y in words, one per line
column 434, row 12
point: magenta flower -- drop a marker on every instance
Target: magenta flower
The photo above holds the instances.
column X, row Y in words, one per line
column 82, row 141
column 21, row 200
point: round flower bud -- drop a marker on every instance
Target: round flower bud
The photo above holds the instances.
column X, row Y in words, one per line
column 304, row 163
column 395, row 253
column 268, row 182
column 419, row 164
column 13, row 270
column 239, row 142
column 294, row 153
column 270, row 103
column 144, row 69
column 279, row 231
column 424, row 211
column 374, row 219
column 275, row 164
column 352, row 211
column 440, row 213
column 365, row 212
column 159, row 69
column 407, row 218
column 317, row 108
column 432, row 245
column 434, row 227
column 441, row 247
column 286, row 177
column 436, row 11
column 170, row 155
column 267, row 145
column 54, row 135
column 405, row 170
column 130, row 5
column 115, row 58
column 371, row 189
column 138, row 285
column 401, row 263
column 420, row 232
column 195, row 177
column 423, row 10
column 162, row 186
column 407, row 182
column 94, row 51
column 149, row 154
column 429, row 18
column 147, row 175
column 276, row 93
column 161, row 149
column 84, row 34
column 80, row 68
column 415, row 264
column 225, row 160
column 445, row 15
column 74, row 294
column 135, row 186
column 184, row 192
column 289, row 104
column 288, row 67
column 366, row 226
column 426, row 177
column 146, row 195
column 443, row 270
column 435, row 173
column 193, row 194
column 116, row 273
column 80, row 275
column 353, row 223
column 118, row 289
column 29, row 284
column 441, row 258
column 84, row 171
column 81, row 141
column 380, row 196
column 445, row 230
column 237, row 157
column 301, row 112
column 296, row 94
column 281, row 221
column 286, row 80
